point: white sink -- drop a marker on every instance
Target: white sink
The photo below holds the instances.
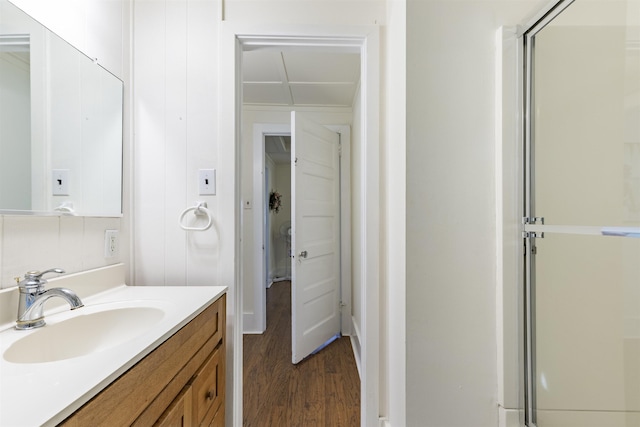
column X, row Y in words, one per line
column 87, row 330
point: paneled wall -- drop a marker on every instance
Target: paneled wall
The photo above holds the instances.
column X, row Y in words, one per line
column 175, row 113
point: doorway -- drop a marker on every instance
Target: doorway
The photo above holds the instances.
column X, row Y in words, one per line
column 277, row 208
column 270, row 256
column 366, row 233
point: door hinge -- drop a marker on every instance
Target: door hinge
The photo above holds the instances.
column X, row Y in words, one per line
column 533, row 220
column 532, row 234
column 536, row 220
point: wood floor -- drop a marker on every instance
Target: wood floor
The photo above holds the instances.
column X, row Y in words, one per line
column 322, row 390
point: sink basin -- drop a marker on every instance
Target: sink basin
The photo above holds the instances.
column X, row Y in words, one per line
column 85, row 332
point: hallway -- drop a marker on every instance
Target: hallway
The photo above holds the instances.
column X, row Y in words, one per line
column 323, row 390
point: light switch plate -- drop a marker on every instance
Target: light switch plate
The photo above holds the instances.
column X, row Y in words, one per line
column 60, row 182
column 207, row 182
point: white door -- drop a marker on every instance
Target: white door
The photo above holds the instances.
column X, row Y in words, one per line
column 315, row 215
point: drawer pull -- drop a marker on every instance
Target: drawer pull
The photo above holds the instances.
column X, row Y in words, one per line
column 209, row 395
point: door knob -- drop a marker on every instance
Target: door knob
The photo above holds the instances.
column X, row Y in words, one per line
column 303, row 254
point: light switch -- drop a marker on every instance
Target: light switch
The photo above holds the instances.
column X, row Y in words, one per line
column 207, row 182
column 60, row 182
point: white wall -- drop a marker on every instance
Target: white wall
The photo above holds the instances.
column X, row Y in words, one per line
column 100, row 29
column 451, row 243
column 357, row 213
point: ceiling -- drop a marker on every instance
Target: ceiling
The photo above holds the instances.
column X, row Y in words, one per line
column 278, row 147
column 300, row 77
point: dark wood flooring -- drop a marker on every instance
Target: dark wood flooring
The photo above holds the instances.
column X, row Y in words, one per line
column 322, row 390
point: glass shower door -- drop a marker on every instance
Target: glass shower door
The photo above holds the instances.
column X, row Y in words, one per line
column 583, row 217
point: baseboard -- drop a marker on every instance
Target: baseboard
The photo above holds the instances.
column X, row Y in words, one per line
column 249, row 324
column 355, row 345
column 509, row 417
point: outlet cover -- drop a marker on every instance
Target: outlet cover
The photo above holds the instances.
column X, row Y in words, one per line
column 110, row 243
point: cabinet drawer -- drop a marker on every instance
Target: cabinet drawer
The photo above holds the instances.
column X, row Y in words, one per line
column 179, row 413
column 208, row 389
column 219, row 321
column 218, row 420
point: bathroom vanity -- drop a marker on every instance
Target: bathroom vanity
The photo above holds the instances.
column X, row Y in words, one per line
column 133, row 355
column 180, row 383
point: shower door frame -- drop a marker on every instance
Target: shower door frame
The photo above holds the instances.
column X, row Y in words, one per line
column 533, row 227
column 531, row 224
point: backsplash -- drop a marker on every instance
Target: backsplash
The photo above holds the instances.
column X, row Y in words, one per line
column 39, row 243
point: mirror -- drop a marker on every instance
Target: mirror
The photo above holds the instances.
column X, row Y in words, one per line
column 60, row 125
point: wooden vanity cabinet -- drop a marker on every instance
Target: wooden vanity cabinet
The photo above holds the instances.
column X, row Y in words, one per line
column 180, row 383
column 179, row 413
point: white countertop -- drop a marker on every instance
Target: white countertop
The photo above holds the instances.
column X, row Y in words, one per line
column 33, row 394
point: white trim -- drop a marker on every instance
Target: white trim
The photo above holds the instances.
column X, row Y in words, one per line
column 259, row 315
column 346, row 321
column 230, row 271
column 355, row 345
column 509, row 248
column 301, row 109
column 367, row 40
column 371, row 268
column 510, row 417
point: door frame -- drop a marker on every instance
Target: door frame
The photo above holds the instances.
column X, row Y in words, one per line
column 256, row 322
column 233, row 38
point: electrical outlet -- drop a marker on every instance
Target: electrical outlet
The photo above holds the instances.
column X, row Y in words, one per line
column 207, row 182
column 60, row 182
column 110, row 243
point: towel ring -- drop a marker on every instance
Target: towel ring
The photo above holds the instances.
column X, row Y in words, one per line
column 66, row 208
column 200, row 209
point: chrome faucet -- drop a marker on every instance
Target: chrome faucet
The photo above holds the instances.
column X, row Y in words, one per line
column 33, row 296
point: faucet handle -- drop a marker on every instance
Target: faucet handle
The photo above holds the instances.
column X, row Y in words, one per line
column 37, row 275
column 34, row 278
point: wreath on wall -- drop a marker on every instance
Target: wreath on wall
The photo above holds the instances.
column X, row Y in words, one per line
column 275, row 201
